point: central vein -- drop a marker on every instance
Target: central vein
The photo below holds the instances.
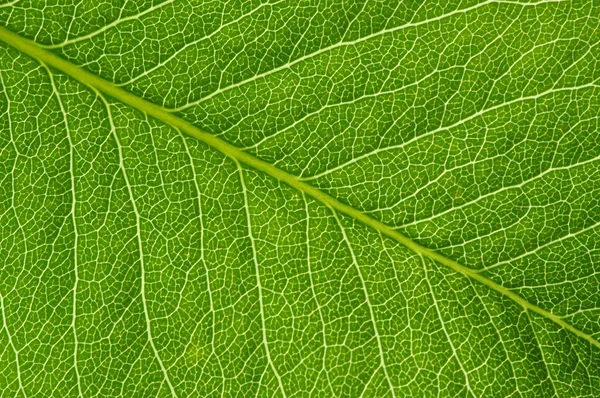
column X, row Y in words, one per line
column 32, row 49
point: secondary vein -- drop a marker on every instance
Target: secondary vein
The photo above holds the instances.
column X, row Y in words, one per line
column 32, row 49
column 75, row 230
column 258, row 283
column 140, row 249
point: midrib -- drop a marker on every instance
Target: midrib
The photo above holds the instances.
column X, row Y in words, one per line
column 96, row 83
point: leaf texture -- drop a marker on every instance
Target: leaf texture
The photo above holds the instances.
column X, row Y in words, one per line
column 207, row 198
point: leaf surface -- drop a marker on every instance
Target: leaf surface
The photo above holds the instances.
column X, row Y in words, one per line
column 300, row 199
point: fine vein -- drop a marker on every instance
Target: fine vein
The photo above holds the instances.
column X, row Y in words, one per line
column 34, row 50
column 140, row 249
column 368, row 301
column 258, row 283
column 75, row 230
column 444, row 330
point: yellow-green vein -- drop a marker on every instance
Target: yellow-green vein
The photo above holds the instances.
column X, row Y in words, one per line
column 34, row 50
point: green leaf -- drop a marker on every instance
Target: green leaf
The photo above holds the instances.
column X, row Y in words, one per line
column 210, row 198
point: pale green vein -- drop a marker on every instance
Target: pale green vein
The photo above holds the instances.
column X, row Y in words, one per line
column 109, row 26
column 223, row 26
column 9, row 4
column 369, row 305
column 314, row 293
column 203, row 260
column 4, row 321
column 74, row 219
column 444, row 330
column 409, row 325
column 371, row 36
column 12, row 346
column 546, row 368
column 258, row 282
column 32, row 49
column 140, row 248
column 461, row 122
column 503, row 343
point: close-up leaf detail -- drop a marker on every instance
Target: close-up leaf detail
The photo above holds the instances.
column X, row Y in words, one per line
column 208, row 198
